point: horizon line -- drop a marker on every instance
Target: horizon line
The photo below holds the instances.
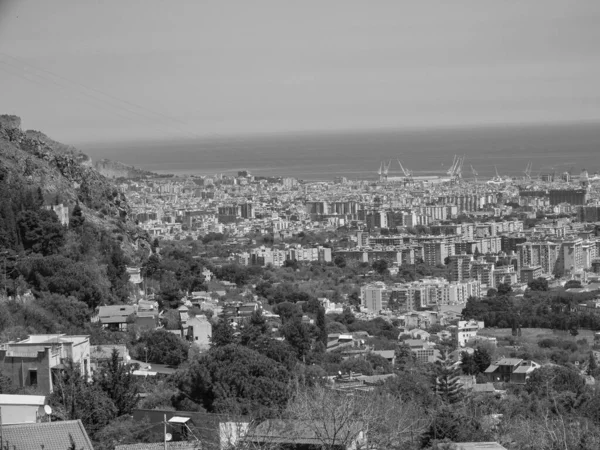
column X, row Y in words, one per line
column 338, row 131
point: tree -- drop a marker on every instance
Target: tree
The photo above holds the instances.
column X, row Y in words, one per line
column 74, row 398
column 380, row 266
column 335, row 418
column 162, row 347
column 468, row 364
column 447, row 383
column 339, row 261
column 573, row 284
column 77, row 218
column 482, row 359
column 298, row 336
column 539, row 284
column 322, row 325
column 592, row 364
column 118, row 382
column 254, row 328
column 222, row 334
column 504, row 289
column 235, row 379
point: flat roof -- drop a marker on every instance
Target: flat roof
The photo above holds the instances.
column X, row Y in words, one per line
column 9, row 399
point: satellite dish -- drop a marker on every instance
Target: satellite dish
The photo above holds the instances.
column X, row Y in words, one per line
column 48, row 409
column 168, row 437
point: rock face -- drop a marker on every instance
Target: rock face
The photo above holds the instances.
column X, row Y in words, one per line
column 63, row 171
column 115, row 169
column 7, row 121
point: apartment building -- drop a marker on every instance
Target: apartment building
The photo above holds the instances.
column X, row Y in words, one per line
column 460, row 267
column 35, row 361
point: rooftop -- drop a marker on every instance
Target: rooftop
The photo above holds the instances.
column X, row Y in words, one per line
column 37, row 400
column 48, row 435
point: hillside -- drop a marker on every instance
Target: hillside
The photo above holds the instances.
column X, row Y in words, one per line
column 65, row 175
column 116, row 169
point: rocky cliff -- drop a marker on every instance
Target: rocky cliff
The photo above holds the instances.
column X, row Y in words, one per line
column 63, row 172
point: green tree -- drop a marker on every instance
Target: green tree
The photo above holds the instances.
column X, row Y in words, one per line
column 222, row 334
column 74, row 398
column 504, row 289
column 298, row 336
column 162, row 347
column 116, row 379
column 447, row 383
column 339, row 261
column 592, row 364
column 235, row 379
column 77, row 218
column 468, row 364
column 539, row 284
column 255, row 327
column 380, row 266
column 322, row 325
column 482, row 359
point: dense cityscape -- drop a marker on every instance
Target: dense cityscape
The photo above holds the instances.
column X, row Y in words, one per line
column 311, row 225
column 237, row 311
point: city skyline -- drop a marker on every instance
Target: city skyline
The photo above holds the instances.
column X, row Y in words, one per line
column 114, row 71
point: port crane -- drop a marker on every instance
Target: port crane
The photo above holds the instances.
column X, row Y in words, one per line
column 407, row 173
column 528, row 171
column 455, row 170
column 474, row 172
column 384, row 168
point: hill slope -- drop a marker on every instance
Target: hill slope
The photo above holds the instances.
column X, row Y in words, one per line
column 64, row 175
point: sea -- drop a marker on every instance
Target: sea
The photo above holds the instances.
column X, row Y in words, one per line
column 358, row 155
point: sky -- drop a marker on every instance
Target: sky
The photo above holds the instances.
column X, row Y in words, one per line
column 126, row 70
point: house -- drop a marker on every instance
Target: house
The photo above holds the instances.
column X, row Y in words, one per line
column 199, row 331
column 213, row 430
column 424, row 351
column 307, row 434
column 115, row 317
column 510, row 370
column 59, row 435
column 22, row 408
column 36, row 360
column 465, row 331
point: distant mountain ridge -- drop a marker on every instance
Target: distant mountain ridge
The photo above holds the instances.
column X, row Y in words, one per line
column 64, row 174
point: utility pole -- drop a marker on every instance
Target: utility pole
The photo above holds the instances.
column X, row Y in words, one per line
column 165, row 429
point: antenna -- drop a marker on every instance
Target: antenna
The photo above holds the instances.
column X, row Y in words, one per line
column 48, row 411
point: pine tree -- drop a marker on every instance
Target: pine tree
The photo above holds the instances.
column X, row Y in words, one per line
column 482, row 359
column 76, row 220
column 222, row 334
column 321, row 325
column 447, row 383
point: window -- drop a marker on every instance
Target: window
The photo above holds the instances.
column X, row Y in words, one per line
column 33, row 378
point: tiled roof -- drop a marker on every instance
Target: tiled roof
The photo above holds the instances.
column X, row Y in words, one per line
column 181, row 445
column 46, row 435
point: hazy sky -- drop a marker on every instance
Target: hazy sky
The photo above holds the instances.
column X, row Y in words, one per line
column 109, row 70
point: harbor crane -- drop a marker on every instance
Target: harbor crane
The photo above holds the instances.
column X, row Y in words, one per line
column 384, row 168
column 528, row 171
column 474, row 172
column 455, row 170
column 407, row 173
